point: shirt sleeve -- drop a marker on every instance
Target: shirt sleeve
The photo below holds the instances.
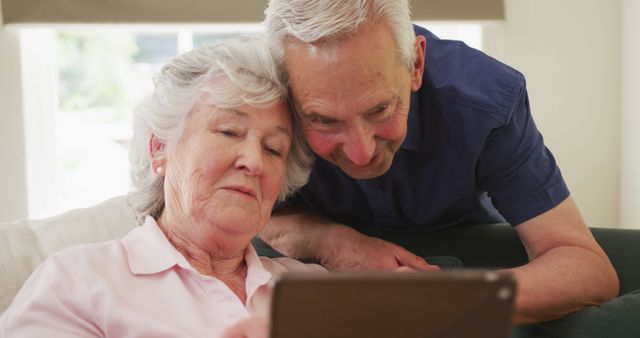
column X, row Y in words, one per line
column 517, row 170
column 51, row 303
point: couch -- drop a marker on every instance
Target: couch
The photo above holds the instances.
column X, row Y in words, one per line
column 24, row 245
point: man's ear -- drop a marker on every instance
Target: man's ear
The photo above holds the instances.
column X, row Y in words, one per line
column 418, row 67
column 156, row 147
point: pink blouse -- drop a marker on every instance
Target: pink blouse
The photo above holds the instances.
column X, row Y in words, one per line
column 138, row 286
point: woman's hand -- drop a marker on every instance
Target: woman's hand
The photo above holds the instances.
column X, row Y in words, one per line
column 255, row 327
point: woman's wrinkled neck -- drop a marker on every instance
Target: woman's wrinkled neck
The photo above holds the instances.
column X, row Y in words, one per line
column 207, row 253
column 222, row 261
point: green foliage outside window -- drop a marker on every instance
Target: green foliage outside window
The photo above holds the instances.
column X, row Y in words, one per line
column 94, row 69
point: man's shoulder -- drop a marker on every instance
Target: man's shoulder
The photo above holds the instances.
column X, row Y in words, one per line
column 458, row 74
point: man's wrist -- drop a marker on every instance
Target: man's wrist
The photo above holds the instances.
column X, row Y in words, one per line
column 327, row 241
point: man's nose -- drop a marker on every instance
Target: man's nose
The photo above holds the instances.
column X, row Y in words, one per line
column 360, row 145
column 250, row 158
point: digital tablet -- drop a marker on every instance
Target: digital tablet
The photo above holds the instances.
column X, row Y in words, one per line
column 443, row 304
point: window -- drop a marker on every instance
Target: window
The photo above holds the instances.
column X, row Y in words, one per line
column 81, row 84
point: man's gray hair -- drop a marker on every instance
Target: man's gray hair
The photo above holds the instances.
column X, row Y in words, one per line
column 317, row 20
column 230, row 73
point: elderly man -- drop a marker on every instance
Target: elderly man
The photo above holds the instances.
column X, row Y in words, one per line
column 411, row 130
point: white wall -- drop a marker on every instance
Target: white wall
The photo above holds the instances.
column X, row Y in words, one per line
column 570, row 53
column 569, row 50
column 630, row 137
column 13, row 186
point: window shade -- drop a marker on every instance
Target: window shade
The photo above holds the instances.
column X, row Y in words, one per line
column 207, row 11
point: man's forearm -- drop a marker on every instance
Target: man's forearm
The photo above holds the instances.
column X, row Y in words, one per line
column 567, row 271
column 336, row 246
column 296, row 233
column 562, row 281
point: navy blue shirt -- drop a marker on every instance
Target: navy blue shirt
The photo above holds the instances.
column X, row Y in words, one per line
column 472, row 153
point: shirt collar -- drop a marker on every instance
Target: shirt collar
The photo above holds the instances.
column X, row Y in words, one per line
column 149, row 252
column 257, row 274
column 414, row 130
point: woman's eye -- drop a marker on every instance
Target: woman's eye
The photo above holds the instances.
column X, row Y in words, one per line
column 228, row 133
column 273, row 152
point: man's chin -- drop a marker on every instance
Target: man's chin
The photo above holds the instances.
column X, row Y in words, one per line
column 365, row 172
column 366, row 175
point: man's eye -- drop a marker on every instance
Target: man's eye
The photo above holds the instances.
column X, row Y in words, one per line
column 322, row 120
column 379, row 113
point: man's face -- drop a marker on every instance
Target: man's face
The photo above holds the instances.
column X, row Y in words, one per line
column 353, row 97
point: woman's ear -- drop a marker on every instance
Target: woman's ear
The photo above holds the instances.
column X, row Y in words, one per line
column 156, row 153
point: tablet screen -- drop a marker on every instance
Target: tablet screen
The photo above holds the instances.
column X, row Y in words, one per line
column 453, row 304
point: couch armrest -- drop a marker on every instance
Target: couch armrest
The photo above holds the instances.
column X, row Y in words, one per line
column 25, row 244
column 623, row 248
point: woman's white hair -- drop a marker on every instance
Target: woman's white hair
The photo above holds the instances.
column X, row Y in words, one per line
column 317, row 20
column 230, row 73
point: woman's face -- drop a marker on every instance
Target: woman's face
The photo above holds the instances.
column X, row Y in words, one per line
column 225, row 172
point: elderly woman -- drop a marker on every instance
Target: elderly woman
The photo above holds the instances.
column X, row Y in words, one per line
column 213, row 148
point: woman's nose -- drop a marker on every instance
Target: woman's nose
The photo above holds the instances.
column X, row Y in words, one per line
column 250, row 158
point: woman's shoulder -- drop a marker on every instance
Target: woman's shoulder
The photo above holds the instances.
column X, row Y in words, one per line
column 88, row 250
column 87, row 257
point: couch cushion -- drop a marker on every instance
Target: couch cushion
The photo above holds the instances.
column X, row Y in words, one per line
column 25, row 244
column 616, row 318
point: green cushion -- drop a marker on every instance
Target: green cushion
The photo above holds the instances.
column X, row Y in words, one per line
column 619, row 318
column 445, row 262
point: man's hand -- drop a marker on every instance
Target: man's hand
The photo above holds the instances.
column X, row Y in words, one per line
column 347, row 249
column 301, row 234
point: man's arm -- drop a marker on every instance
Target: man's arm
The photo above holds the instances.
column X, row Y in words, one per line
column 300, row 233
column 567, row 271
